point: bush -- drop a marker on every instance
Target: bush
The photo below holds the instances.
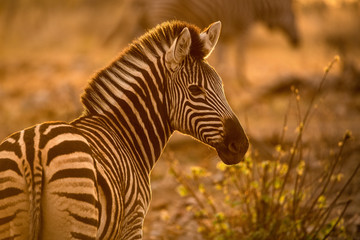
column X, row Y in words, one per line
column 274, row 199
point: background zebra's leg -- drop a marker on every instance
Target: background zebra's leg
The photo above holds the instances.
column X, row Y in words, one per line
column 230, row 61
column 238, row 55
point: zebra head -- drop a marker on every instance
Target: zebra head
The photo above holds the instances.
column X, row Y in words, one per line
column 196, row 101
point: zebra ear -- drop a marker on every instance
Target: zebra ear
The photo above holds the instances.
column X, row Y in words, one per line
column 210, row 36
column 179, row 49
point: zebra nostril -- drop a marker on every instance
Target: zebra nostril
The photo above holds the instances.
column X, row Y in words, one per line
column 234, row 147
column 235, row 142
column 235, row 138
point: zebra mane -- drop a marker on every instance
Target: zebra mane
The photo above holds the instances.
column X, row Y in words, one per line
column 167, row 32
column 161, row 36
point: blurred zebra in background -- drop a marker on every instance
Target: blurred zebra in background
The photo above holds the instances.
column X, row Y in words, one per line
column 90, row 179
column 237, row 17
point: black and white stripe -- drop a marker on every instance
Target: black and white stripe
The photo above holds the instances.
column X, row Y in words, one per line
column 41, row 167
column 89, row 179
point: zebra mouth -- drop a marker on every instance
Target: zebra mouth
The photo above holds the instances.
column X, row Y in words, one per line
column 229, row 155
column 235, row 142
column 229, row 158
column 232, row 151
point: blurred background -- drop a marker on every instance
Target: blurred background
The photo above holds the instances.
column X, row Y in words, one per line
column 50, row 49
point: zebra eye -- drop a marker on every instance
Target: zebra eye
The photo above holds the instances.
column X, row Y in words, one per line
column 196, row 90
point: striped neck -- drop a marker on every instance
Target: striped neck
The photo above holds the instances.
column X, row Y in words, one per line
column 130, row 94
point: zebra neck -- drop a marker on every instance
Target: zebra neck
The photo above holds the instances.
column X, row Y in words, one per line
column 129, row 101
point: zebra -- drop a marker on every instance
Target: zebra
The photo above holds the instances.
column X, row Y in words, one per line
column 237, row 17
column 90, row 178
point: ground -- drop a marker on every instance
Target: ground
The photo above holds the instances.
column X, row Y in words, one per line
column 47, row 56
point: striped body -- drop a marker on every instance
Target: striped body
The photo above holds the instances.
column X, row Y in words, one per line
column 89, row 179
column 237, row 16
column 45, row 171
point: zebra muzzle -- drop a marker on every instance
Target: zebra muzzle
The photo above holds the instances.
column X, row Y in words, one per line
column 235, row 144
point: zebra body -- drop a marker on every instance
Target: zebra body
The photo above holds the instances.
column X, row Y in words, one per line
column 237, row 16
column 38, row 167
column 89, row 179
